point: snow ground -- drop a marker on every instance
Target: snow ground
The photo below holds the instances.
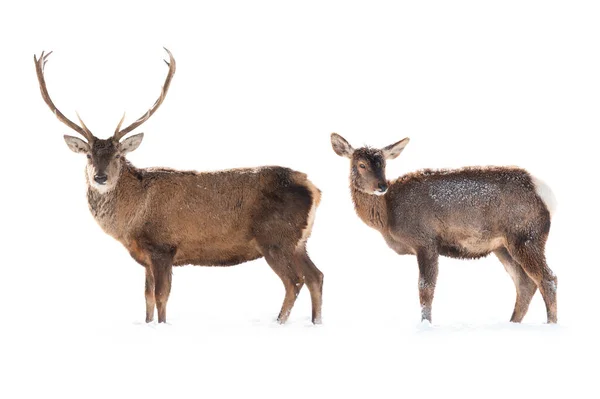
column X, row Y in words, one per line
column 265, row 83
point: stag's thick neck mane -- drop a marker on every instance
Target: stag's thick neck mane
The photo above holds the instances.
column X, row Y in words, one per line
column 127, row 191
column 372, row 209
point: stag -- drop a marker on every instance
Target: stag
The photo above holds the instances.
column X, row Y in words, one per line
column 464, row 213
column 167, row 218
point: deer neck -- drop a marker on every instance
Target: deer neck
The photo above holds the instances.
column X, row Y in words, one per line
column 108, row 207
column 372, row 209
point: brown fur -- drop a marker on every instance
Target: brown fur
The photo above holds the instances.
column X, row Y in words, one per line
column 168, row 218
column 463, row 213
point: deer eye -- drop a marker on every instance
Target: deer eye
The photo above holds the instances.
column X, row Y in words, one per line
column 362, row 165
column 117, row 156
column 89, row 156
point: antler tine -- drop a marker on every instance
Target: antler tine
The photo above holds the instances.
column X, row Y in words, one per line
column 119, row 125
column 45, row 59
column 81, row 122
column 120, row 133
column 39, row 68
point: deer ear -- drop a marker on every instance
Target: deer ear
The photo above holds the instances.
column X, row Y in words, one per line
column 131, row 143
column 76, row 144
column 341, row 146
column 392, row 151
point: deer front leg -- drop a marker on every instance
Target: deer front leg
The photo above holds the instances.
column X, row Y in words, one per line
column 150, row 299
column 162, row 267
column 428, row 271
column 162, row 288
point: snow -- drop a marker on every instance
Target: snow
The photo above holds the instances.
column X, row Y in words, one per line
column 265, row 83
column 462, row 191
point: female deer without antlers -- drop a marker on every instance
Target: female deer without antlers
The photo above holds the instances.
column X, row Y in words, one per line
column 168, row 218
column 464, row 213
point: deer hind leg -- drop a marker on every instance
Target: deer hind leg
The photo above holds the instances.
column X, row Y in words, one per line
column 286, row 267
column 162, row 269
column 530, row 255
column 428, row 271
column 525, row 286
column 314, row 281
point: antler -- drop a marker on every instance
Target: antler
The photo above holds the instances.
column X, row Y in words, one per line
column 39, row 67
column 120, row 133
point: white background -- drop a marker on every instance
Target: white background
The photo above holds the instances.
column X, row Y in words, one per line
column 470, row 82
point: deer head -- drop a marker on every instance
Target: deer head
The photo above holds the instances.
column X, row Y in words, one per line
column 367, row 165
column 105, row 156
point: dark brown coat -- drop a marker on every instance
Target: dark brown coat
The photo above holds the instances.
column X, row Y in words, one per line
column 463, row 213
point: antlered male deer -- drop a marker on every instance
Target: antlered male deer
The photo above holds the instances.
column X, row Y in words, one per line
column 169, row 218
column 464, row 213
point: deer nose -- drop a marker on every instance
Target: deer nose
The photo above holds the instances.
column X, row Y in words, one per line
column 100, row 179
column 382, row 187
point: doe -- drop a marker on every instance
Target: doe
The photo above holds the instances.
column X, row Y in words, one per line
column 463, row 213
column 169, row 218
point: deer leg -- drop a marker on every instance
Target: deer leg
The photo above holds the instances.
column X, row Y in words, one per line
column 286, row 267
column 162, row 268
column 525, row 286
column 428, row 271
column 314, row 281
column 150, row 299
column 530, row 255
